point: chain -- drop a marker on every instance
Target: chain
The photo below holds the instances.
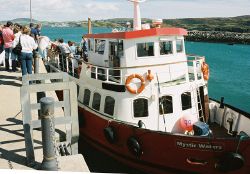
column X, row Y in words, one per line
column 10, row 164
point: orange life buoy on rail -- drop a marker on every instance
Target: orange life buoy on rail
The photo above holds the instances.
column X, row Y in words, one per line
column 205, row 71
column 128, row 81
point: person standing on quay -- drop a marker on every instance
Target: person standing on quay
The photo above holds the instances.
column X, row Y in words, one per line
column 38, row 30
column 28, row 45
column 15, row 57
column 33, row 32
column 8, row 37
column 1, row 39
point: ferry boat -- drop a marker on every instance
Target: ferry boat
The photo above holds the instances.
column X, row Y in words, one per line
column 144, row 102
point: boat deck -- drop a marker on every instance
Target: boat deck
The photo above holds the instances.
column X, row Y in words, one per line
column 219, row 131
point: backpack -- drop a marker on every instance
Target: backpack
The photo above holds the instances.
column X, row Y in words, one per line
column 18, row 49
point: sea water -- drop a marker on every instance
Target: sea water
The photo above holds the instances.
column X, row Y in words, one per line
column 229, row 64
column 229, row 71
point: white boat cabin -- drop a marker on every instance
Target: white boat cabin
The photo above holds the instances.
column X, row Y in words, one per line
column 143, row 76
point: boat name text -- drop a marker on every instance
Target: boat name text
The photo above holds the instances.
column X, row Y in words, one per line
column 199, row 146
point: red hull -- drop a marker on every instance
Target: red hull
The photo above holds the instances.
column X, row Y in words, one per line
column 161, row 152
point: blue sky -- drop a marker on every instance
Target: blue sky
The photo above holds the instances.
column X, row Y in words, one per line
column 66, row 10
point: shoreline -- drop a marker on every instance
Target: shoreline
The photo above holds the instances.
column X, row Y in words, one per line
column 219, row 37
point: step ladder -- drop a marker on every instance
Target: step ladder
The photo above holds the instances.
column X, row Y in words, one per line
column 199, row 108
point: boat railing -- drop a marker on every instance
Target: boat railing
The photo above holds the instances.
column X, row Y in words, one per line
column 118, row 75
column 67, row 64
column 194, row 67
column 111, row 75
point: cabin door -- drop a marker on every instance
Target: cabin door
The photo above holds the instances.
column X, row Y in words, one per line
column 114, row 60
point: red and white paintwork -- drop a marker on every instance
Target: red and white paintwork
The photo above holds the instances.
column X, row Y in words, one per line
column 165, row 146
column 161, row 154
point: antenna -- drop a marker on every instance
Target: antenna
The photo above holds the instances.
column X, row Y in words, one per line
column 137, row 14
column 30, row 12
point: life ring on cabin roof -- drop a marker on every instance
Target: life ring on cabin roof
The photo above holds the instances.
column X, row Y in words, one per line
column 130, row 89
column 205, row 70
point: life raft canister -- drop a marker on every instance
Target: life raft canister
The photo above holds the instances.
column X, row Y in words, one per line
column 205, row 70
column 130, row 89
column 230, row 162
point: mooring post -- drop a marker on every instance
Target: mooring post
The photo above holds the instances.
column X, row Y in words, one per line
column 36, row 62
column 222, row 102
column 48, row 134
column 36, row 71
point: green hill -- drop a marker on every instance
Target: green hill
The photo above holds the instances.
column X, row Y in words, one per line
column 233, row 24
column 239, row 24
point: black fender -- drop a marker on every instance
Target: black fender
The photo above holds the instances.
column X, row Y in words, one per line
column 110, row 134
column 134, row 146
column 229, row 162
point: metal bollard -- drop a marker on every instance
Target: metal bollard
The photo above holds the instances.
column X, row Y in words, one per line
column 222, row 102
column 48, row 134
column 36, row 71
column 36, row 62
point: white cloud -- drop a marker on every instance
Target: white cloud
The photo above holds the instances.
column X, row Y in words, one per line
column 61, row 10
column 100, row 6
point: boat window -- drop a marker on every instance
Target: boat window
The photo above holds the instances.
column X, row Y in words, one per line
column 166, row 47
column 145, row 49
column 120, row 48
column 99, row 46
column 90, row 45
column 179, row 46
column 166, row 105
column 86, row 97
column 109, row 105
column 186, row 100
column 140, row 107
column 96, row 101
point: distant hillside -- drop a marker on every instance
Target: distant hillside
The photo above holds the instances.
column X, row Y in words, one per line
column 22, row 21
column 26, row 21
column 239, row 24
column 233, row 24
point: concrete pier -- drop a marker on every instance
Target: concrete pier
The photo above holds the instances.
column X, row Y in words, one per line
column 219, row 36
column 12, row 143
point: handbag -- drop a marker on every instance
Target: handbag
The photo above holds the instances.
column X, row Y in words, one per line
column 18, row 49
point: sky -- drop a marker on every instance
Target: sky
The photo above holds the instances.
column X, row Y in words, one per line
column 78, row 10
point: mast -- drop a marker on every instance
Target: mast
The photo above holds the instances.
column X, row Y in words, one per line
column 30, row 12
column 137, row 14
column 89, row 26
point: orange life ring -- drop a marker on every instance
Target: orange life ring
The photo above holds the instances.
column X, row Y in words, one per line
column 128, row 81
column 205, row 71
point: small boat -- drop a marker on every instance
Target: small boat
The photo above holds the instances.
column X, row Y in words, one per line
column 145, row 103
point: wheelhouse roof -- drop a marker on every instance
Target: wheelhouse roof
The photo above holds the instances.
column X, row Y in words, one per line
column 140, row 33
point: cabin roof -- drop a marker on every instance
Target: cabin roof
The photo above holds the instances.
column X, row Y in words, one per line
column 140, row 33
